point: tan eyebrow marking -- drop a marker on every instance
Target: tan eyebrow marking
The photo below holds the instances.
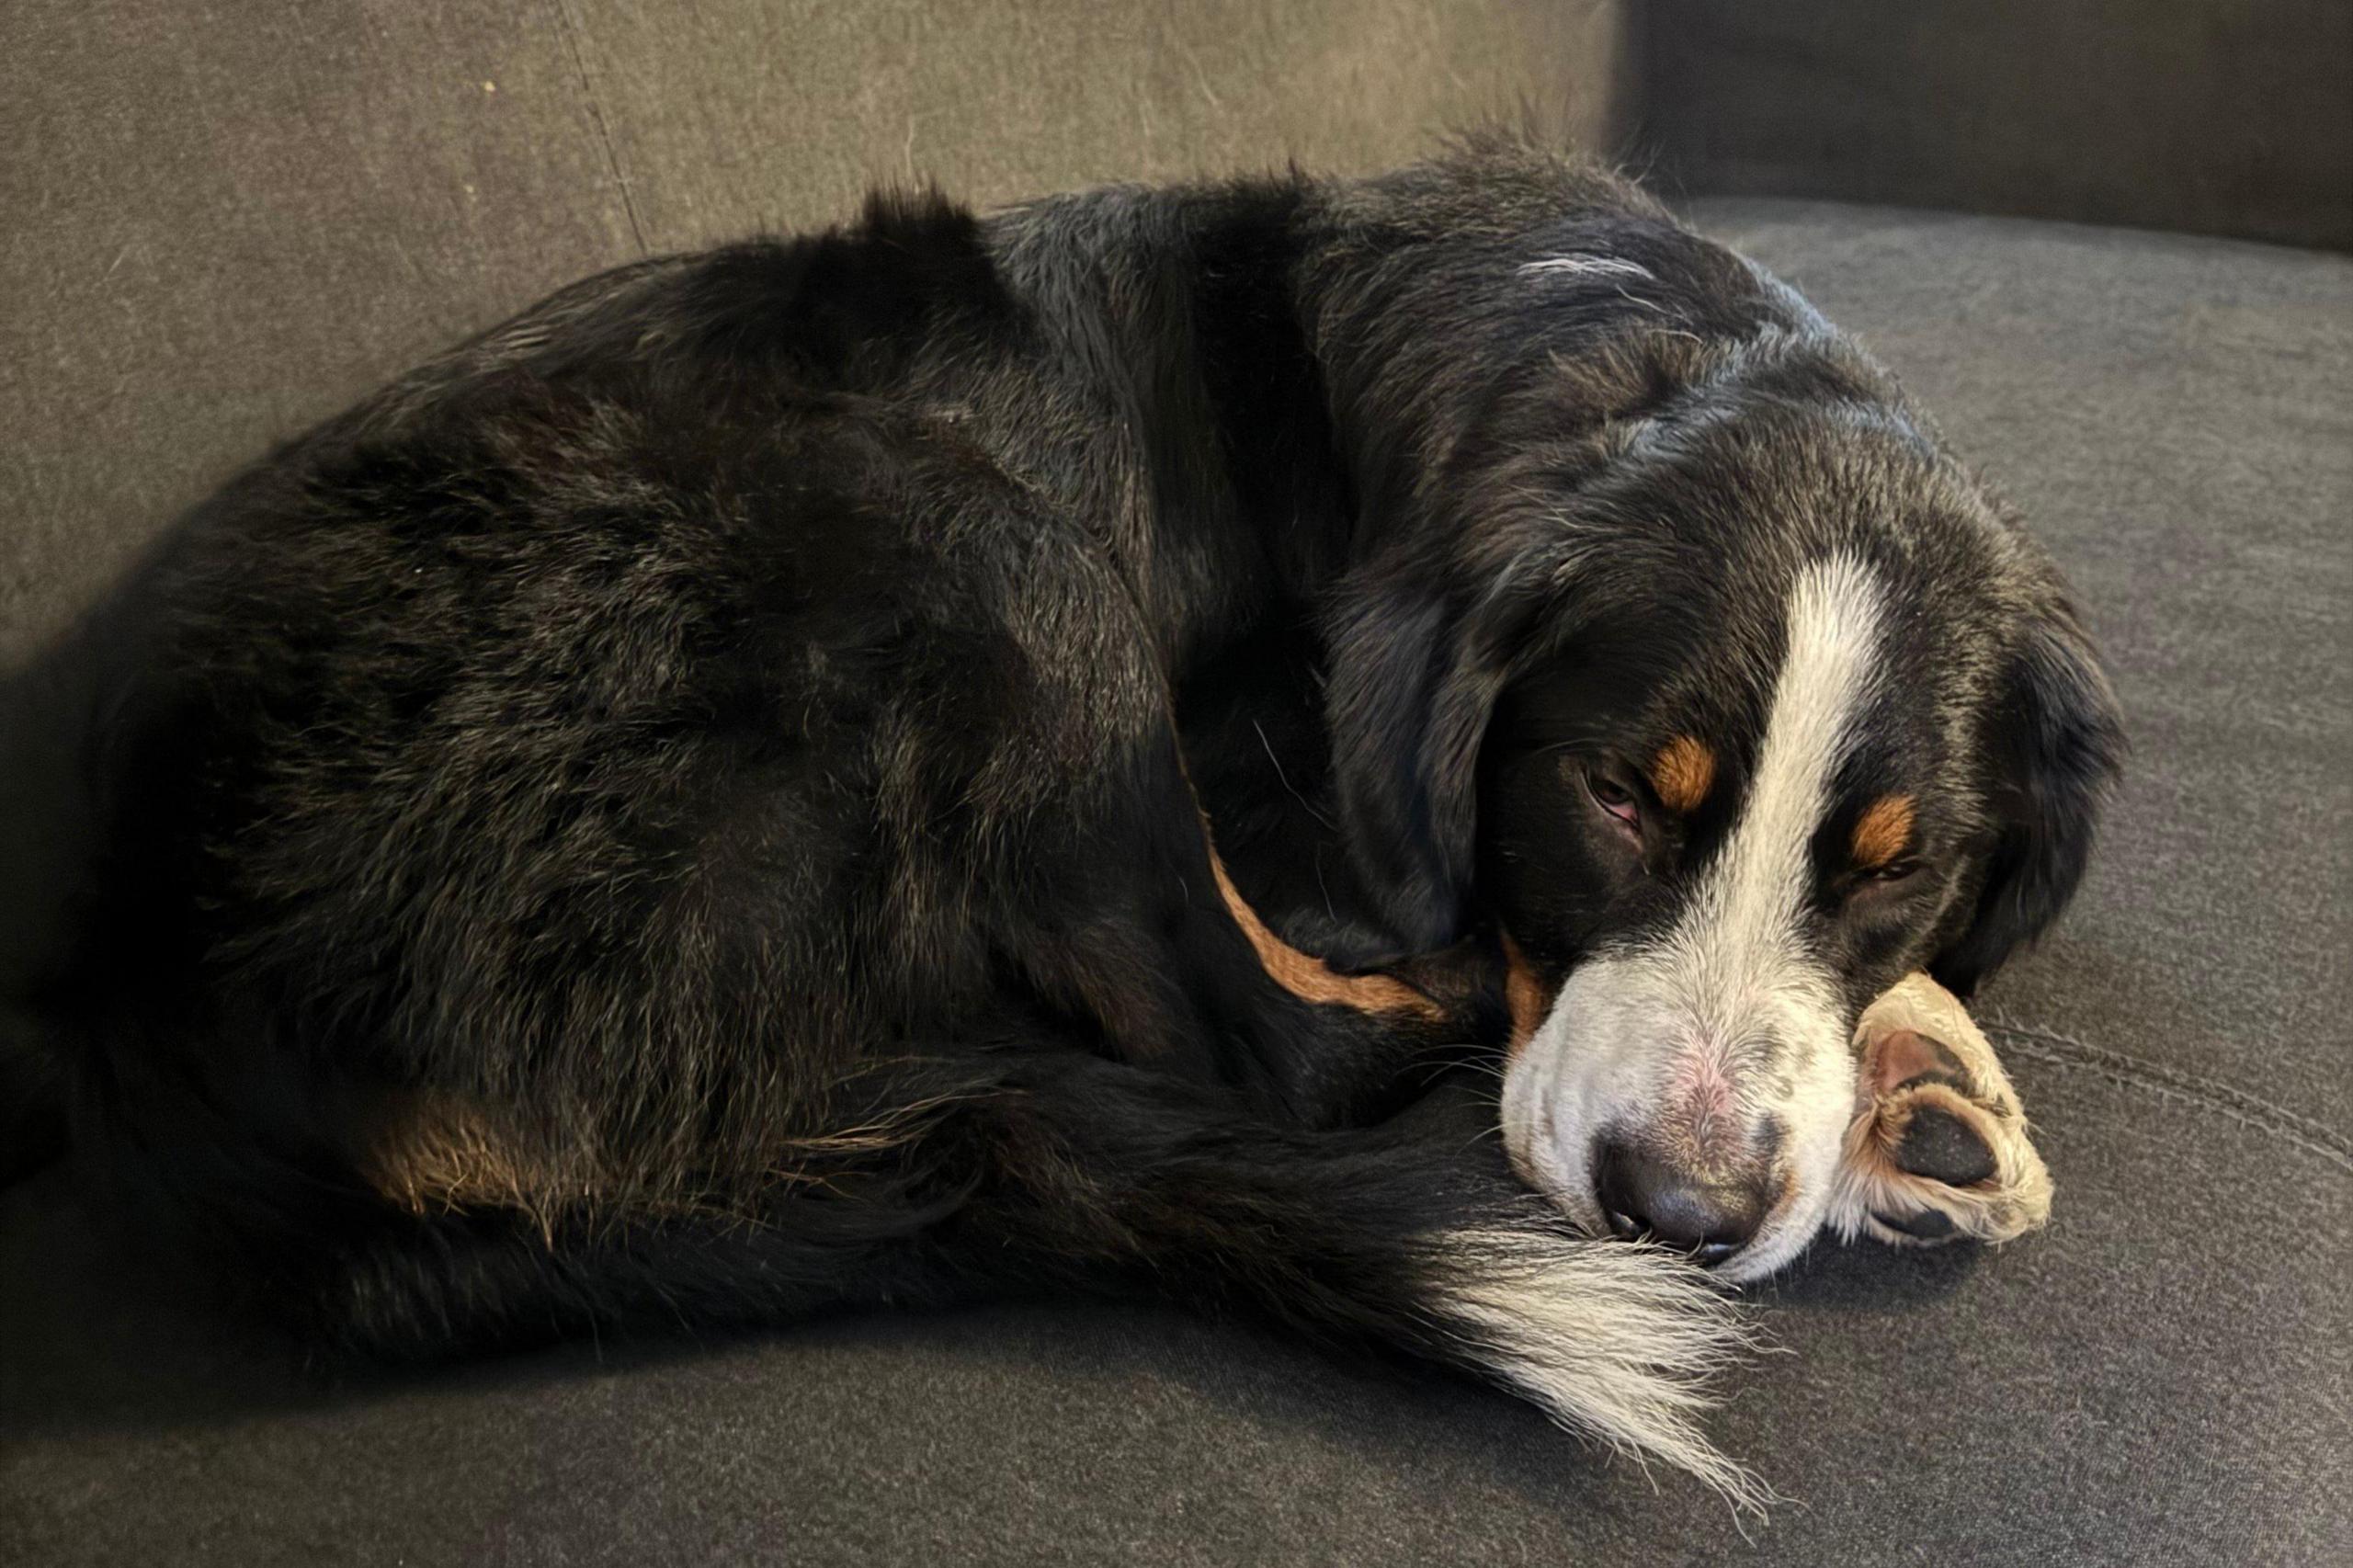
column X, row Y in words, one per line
column 1883, row 832
column 1683, row 773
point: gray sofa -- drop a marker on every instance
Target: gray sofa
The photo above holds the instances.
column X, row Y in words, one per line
column 226, row 221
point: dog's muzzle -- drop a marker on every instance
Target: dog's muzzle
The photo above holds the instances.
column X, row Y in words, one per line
column 1707, row 1123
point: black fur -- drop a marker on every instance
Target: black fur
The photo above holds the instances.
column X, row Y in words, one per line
column 729, row 740
column 2050, row 756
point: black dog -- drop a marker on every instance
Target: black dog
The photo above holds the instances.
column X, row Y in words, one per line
column 700, row 803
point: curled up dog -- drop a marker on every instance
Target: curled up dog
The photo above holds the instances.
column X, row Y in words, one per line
column 978, row 754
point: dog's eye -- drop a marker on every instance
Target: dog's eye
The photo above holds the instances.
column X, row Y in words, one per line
column 1614, row 798
column 1894, row 871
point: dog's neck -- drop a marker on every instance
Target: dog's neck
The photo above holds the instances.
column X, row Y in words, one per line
column 1294, row 371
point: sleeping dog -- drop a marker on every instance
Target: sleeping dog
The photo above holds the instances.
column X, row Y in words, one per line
column 980, row 755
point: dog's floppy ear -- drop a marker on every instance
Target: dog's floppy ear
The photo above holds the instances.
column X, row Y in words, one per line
column 1411, row 683
column 2054, row 743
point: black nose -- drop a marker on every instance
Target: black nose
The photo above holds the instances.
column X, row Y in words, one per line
column 1644, row 1196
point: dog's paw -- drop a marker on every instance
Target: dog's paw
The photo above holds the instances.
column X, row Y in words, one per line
column 1937, row 1150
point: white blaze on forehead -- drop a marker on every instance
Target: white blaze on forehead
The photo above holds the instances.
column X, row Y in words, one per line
column 1740, row 931
column 1728, row 1024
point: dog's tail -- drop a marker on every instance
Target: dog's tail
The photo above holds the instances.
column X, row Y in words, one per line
column 1026, row 1173
column 1413, row 1239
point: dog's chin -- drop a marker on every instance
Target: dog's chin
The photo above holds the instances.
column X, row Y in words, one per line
column 1538, row 1154
column 1787, row 1234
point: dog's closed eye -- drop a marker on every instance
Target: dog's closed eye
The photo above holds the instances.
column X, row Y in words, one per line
column 1614, row 798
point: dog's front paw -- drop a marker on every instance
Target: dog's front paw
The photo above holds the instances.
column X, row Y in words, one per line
column 1937, row 1150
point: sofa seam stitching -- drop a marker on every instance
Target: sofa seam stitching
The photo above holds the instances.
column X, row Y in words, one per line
column 2313, row 1137
column 571, row 27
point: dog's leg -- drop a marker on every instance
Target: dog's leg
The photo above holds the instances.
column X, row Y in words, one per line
column 1939, row 1148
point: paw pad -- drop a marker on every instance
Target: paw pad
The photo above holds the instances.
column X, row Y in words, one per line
column 1938, row 1150
column 1942, row 1147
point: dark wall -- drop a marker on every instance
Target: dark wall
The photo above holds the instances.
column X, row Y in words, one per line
column 2228, row 117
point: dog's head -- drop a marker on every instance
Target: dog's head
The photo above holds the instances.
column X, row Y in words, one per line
column 1721, row 688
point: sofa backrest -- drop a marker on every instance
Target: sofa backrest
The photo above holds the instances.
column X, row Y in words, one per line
column 224, row 222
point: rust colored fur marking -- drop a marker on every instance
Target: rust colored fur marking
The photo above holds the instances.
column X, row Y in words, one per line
column 1883, row 830
column 1311, row 979
column 432, row 1152
column 1524, row 996
column 1683, row 773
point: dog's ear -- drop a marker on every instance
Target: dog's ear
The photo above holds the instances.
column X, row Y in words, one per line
column 2054, row 743
column 1411, row 683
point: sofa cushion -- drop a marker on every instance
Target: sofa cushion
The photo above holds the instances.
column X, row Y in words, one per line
column 2159, row 1378
column 2221, row 116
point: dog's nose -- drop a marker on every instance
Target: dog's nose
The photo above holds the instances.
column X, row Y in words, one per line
column 1644, row 1196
